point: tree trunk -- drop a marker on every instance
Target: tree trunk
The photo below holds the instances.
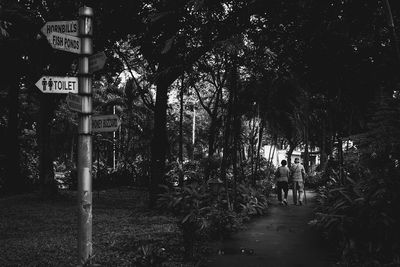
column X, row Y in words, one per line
column 236, row 147
column 46, row 168
column 390, row 23
column 226, row 150
column 323, row 154
column 13, row 182
column 159, row 141
column 306, row 152
column 289, row 153
column 181, row 136
column 13, row 177
column 340, row 155
column 260, row 134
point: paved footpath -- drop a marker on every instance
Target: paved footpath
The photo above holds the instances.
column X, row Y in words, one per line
column 283, row 238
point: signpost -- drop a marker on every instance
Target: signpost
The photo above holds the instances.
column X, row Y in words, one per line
column 65, row 42
column 69, row 27
column 58, row 85
column 97, row 61
column 74, row 102
column 84, row 159
column 105, row 123
column 76, row 37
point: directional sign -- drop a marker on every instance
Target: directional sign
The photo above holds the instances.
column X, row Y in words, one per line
column 65, row 42
column 58, row 85
column 97, row 61
column 105, row 123
column 74, row 102
column 69, row 27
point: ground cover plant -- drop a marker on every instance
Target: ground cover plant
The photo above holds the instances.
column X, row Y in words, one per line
column 360, row 215
column 37, row 232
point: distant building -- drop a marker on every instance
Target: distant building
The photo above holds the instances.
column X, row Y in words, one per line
column 277, row 154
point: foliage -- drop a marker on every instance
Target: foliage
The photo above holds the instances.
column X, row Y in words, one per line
column 149, row 255
column 221, row 223
column 190, row 204
column 315, row 180
column 251, row 201
column 202, row 215
column 361, row 214
column 191, row 172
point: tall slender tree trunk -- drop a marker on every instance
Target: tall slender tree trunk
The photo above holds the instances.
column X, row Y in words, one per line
column 159, row 141
column 252, row 141
column 260, row 134
column 340, row 152
column 46, row 154
column 236, row 140
column 13, row 179
column 306, row 151
column 181, row 135
column 226, row 150
column 390, row 23
column 323, row 154
column 292, row 146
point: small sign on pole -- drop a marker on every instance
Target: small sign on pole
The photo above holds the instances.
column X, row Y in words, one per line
column 65, row 42
column 58, row 85
column 68, row 27
column 97, row 61
column 74, row 102
column 105, row 123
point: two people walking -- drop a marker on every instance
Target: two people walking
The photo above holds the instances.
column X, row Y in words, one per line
column 296, row 176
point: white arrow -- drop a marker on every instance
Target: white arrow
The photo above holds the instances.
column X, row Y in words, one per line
column 58, row 85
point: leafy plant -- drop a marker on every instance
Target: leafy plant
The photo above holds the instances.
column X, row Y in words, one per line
column 149, row 255
column 222, row 222
column 361, row 215
column 190, row 204
column 251, row 201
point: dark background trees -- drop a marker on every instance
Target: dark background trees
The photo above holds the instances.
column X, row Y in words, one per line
column 304, row 72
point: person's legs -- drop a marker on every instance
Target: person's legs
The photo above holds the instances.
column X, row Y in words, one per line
column 295, row 186
column 301, row 190
column 279, row 188
column 285, row 188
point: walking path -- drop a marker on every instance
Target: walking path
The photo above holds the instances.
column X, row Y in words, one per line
column 280, row 239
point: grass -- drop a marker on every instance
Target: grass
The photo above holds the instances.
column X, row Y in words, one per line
column 38, row 232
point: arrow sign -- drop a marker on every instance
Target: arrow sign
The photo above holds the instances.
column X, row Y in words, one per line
column 69, row 27
column 65, row 42
column 74, row 102
column 105, row 123
column 58, row 85
column 97, row 61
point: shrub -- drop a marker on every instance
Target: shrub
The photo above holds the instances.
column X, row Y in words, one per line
column 251, row 201
column 190, row 204
column 149, row 255
column 221, row 223
column 361, row 215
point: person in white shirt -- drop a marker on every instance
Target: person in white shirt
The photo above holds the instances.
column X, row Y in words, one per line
column 298, row 173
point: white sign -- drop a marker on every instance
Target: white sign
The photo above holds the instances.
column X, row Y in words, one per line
column 105, row 123
column 68, row 27
column 65, row 42
column 58, row 85
column 74, row 102
column 97, row 61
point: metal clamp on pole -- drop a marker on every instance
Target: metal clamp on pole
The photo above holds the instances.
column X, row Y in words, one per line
column 84, row 165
